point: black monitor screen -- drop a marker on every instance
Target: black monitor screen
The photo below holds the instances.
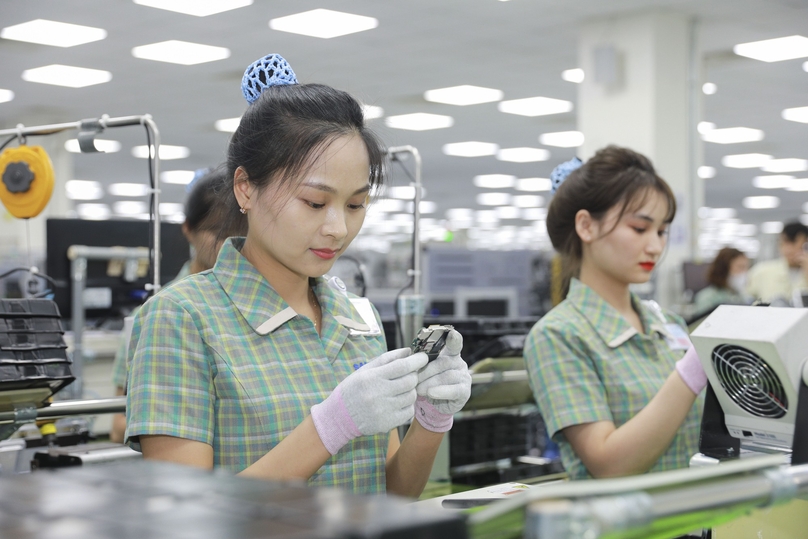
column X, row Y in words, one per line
column 695, row 275
column 109, row 294
column 487, row 307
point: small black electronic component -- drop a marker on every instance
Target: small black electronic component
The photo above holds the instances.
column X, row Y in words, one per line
column 431, row 340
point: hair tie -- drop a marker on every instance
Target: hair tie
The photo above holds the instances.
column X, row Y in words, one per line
column 560, row 173
column 271, row 70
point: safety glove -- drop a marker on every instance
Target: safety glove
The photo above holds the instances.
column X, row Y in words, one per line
column 691, row 371
column 444, row 386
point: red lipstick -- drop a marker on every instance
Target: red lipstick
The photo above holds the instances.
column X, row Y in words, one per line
column 647, row 266
column 325, row 254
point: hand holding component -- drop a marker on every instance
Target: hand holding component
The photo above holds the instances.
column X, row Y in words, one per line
column 444, row 386
column 374, row 399
column 691, row 371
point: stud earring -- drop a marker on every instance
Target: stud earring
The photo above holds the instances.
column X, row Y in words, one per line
column 243, row 211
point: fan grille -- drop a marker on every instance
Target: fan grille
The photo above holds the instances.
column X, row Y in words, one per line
column 749, row 381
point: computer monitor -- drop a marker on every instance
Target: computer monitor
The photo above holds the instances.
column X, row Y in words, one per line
column 486, row 302
column 118, row 297
column 695, row 276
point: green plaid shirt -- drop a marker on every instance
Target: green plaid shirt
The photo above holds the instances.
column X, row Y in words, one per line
column 587, row 364
column 200, row 369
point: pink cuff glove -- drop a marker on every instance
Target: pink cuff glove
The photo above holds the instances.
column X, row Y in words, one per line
column 430, row 418
column 333, row 422
column 691, row 371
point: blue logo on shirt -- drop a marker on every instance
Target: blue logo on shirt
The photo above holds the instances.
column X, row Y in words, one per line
column 356, row 366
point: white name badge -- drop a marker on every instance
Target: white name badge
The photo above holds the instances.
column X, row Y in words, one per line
column 677, row 337
column 365, row 310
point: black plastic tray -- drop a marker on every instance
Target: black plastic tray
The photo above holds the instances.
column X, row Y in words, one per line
column 21, row 324
column 44, row 355
column 31, row 341
column 28, row 308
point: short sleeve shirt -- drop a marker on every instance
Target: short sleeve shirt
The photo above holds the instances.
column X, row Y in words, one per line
column 586, row 363
column 221, row 359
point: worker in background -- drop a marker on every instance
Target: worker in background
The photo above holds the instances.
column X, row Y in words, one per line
column 205, row 227
column 727, row 278
column 615, row 378
column 264, row 367
column 778, row 280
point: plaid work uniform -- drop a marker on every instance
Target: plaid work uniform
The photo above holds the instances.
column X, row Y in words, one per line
column 220, row 358
column 587, row 363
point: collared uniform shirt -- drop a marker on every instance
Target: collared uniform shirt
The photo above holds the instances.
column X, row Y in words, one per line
column 587, row 363
column 773, row 279
column 220, row 358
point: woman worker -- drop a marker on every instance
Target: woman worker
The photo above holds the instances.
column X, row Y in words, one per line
column 607, row 370
column 727, row 278
column 261, row 365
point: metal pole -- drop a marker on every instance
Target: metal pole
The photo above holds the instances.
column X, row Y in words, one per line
column 59, row 409
column 78, row 274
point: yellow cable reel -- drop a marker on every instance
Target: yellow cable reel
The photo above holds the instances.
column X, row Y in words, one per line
column 27, row 180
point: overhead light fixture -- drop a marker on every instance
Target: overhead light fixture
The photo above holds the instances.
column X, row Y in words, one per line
column 487, row 216
column 128, row 189
column 69, row 76
column 732, row 135
column 471, row 148
column 533, row 184
column 796, row 114
column 171, row 208
column 494, row 181
column 323, row 23
column 179, row 177
column 705, row 172
column 798, row 185
column 56, row 34
column 463, row 95
column 523, row 155
column 771, row 227
column 404, row 192
column 129, row 207
column 573, row 75
column 704, row 127
column 197, row 8
column 528, row 201
column 786, row 165
column 777, row 181
column 493, row 199
column 761, row 202
column 709, row 88
column 180, row 52
column 534, row 214
column 419, row 121
column 167, row 152
column 387, row 205
column 535, row 106
column 508, row 212
column 745, row 160
column 83, row 190
column 459, row 214
column 95, row 212
column 426, row 206
column 106, row 146
column 562, row 139
column 371, row 112
column 774, row 50
column 227, row 125
column 6, row 95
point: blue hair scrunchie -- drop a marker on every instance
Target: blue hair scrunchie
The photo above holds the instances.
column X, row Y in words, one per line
column 560, row 173
column 198, row 175
column 271, row 70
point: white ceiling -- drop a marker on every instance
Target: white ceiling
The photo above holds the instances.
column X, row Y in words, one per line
column 518, row 46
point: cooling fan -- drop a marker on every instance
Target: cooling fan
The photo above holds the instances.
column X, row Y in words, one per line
column 755, row 359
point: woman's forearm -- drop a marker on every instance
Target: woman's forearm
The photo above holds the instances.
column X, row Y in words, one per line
column 408, row 468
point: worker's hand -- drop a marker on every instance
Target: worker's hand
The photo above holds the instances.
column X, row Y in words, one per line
column 444, row 386
column 691, row 371
column 374, row 399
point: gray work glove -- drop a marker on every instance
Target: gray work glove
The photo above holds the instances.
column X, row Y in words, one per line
column 444, row 386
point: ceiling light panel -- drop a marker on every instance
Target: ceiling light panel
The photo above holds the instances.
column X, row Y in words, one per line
column 180, row 52
column 96, row 212
column 776, row 181
column 167, row 152
column 523, row 155
column 704, row 127
column 387, row 205
column 709, row 88
column 227, row 125
column 746, row 160
column 705, row 172
column 533, row 184
column 573, row 75
column 171, row 208
column 56, row 34
column 197, row 8
column 487, row 216
column 528, row 201
column 371, row 112
column 470, row 149
column 128, row 189
column 404, row 192
column 419, row 121
column 534, row 214
column 426, row 206
column 460, row 214
column 129, row 207
column 106, row 146
column 798, row 185
column 179, row 177
column 761, row 203
column 6, row 95
column 494, row 181
column 771, row 227
column 562, row 139
column 69, row 76
column 493, row 199
column 535, row 106
column 83, row 190
column 323, row 23
column 774, row 50
column 786, row 165
column 509, row 212
column 732, row 135
column 796, row 114
column 463, row 95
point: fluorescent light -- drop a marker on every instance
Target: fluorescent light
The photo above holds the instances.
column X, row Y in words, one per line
column 96, row 212
column 534, row 214
column 761, row 203
column 470, row 149
column 745, row 160
column 57, row 34
column 573, row 75
column 180, row 52
column 419, row 121
column 107, row 146
column 198, row 8
column 171, row 208
column 562, row 139
column 771, row 227
column 508, row 212
column 745, row 230
column 404, row 192
column 719, row 213
column 774, row 50
column 69, row 76
column 459, row 214
column 798, row 185
column 528, row 201
column 494, row 181
column 227, row 125
column 388, row 205
column 323, row 23
column 128, row 189
column 796, row 114
column 709, row 88
column 533, row 184
column 493, row 199
column 732, row 135
column 487, row 216
column 704, row 127
column 463, row 95
column 371, row 112
column 6, row 95
column 786, row 165
column 523, row 155
column 535, row 106
column 166, row 152
column 426, row 206
column 777, row 181
column 83, row 190
column 706, row 172
column 129, row 207
column 180, row 177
